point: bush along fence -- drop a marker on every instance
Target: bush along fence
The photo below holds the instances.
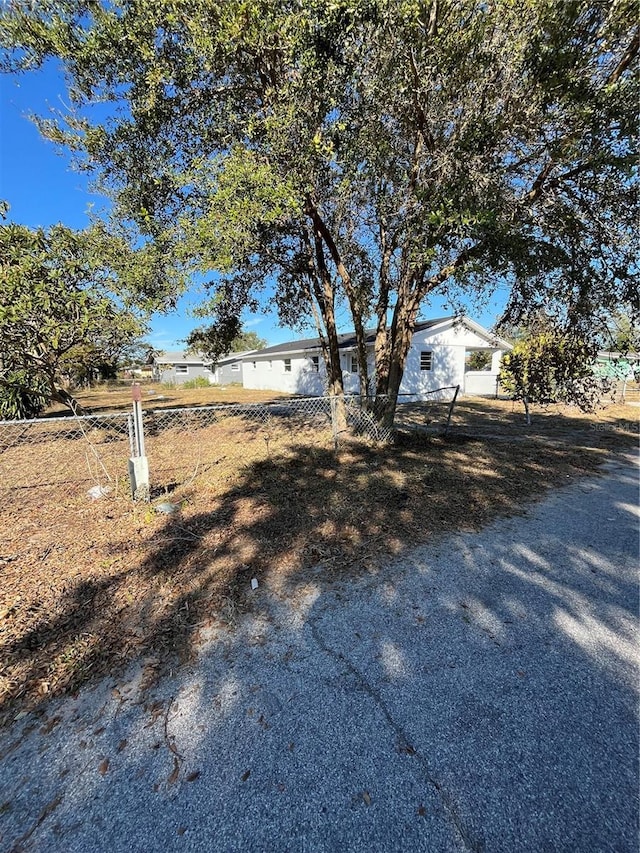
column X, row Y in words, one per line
column 148, row 453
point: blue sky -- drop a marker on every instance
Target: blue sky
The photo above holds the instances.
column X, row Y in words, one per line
column 41, row 187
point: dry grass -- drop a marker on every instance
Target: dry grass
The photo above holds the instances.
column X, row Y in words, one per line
column 89, row 586
column 118, row 398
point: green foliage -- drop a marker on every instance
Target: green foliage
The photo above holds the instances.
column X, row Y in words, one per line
column 247, row 341
column 22, row 395
column 621, row 334
column 364, row 152
column 198, row 382
column 219, row 339
column 479, row 360
column 58, row 322
column 550, row 366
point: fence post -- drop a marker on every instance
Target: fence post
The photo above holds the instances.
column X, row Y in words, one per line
column 334, row 421
column 132, row 438
column 138, row 464
column 453, row 402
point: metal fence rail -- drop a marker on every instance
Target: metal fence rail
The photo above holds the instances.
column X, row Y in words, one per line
column 62, row 454
column 60, row 457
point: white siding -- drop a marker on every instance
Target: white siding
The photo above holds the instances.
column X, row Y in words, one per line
column 447, row 367
column 480, row 382
column 447, row 342
column 269, row 375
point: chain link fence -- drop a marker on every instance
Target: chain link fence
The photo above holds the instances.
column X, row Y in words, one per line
column 60, row 456
column 86, row 456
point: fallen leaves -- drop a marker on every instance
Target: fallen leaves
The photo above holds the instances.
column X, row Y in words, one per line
column 141, row 591
column 156, row 710
column 103, row 767
column 175, row 773
column 50, row 725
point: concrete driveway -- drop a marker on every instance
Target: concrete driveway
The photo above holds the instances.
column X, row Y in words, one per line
column 481, row 695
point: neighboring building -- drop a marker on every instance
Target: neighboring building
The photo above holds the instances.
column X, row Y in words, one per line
column 178, row 367
column 623, row 369
column 438, row 357
column 615, row 365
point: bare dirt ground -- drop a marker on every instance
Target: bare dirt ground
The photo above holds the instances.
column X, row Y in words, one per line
column 90, row 586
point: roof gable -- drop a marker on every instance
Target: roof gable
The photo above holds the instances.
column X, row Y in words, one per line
column 471, row 325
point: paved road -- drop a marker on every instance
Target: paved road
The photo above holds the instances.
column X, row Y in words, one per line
column 480, row 695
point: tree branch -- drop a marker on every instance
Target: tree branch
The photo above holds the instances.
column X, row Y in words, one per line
column 627, row 58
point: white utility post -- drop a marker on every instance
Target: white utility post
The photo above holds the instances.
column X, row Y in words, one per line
column 138, row 464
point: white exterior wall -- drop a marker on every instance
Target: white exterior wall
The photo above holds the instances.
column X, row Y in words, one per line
column 447, row 368
column 350, row 380
column 482, row 383
column 448, row 344
column 269, row 374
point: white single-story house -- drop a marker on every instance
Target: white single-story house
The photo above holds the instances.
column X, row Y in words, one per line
column 439, row 356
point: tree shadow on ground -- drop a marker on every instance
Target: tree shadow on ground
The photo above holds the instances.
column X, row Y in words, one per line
column 301, row 513
column 481, row 694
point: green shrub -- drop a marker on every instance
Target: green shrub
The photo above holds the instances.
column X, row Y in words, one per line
column 198, row 382
column 22, row 396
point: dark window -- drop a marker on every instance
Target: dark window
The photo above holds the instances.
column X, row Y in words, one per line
column 354, row 363
column 287, row 365
column 182, row 368
column 315, row 363
column 425, row 359
column 235, row 366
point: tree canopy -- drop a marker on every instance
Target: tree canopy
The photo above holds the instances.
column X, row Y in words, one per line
column 370, row 151
column 547, row 366
column 58, row 315
column 211, row 342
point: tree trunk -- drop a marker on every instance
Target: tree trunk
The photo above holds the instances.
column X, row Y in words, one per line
column 323, row 236
column 325, row 297
column 62, row 396
column 404, row 319
column 361, row 345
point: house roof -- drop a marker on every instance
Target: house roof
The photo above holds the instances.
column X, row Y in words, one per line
column 234, row 356
column 182, row 357
column 348, row 340
column 614, row 356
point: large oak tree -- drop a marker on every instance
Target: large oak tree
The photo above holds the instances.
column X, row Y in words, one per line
column 370, row 151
